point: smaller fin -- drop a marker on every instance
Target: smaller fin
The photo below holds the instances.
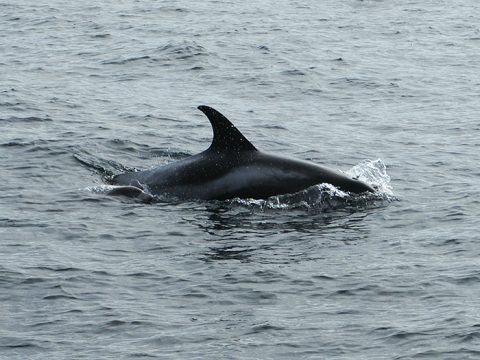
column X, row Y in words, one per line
column 226, row 136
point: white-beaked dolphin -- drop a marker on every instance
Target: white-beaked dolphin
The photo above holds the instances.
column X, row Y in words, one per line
column 232, row 167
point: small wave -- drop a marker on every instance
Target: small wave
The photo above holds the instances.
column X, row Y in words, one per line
column 183, row 50
column 132, row 192
column 163, row 54
column 28, row 119
column 100, row 36
column 293, row 72
column 100, row 189
column 321, row 197
column 105, row 168
column 59, row 296
column 17, row 143
column 266, row 327
column 170, row 8
column 357, row 82
column 33, row 280
column 21, row 344
column 145, row 151
column 123, row 61
column 373, row 172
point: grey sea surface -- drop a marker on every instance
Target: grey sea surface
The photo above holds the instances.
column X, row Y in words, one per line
column 385, row 90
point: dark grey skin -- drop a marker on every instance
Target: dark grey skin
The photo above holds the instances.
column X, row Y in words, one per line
column 232, row 167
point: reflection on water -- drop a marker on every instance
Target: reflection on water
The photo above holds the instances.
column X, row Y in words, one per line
column 244, row 233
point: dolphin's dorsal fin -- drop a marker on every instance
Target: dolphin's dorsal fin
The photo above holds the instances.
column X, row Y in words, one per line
column 226, row 137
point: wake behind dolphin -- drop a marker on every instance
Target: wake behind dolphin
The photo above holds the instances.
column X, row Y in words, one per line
column 233, row 168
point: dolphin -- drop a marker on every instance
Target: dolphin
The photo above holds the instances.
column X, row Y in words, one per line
column 233, row 168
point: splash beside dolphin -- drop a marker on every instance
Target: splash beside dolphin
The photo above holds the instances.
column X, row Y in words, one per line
column 232, row 167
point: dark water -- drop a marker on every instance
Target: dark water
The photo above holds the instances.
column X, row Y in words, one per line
column 385, row 90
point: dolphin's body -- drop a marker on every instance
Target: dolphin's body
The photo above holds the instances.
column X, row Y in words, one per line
column 232, row 167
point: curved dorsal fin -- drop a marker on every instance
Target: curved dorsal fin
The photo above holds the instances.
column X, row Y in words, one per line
column 226, row 137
